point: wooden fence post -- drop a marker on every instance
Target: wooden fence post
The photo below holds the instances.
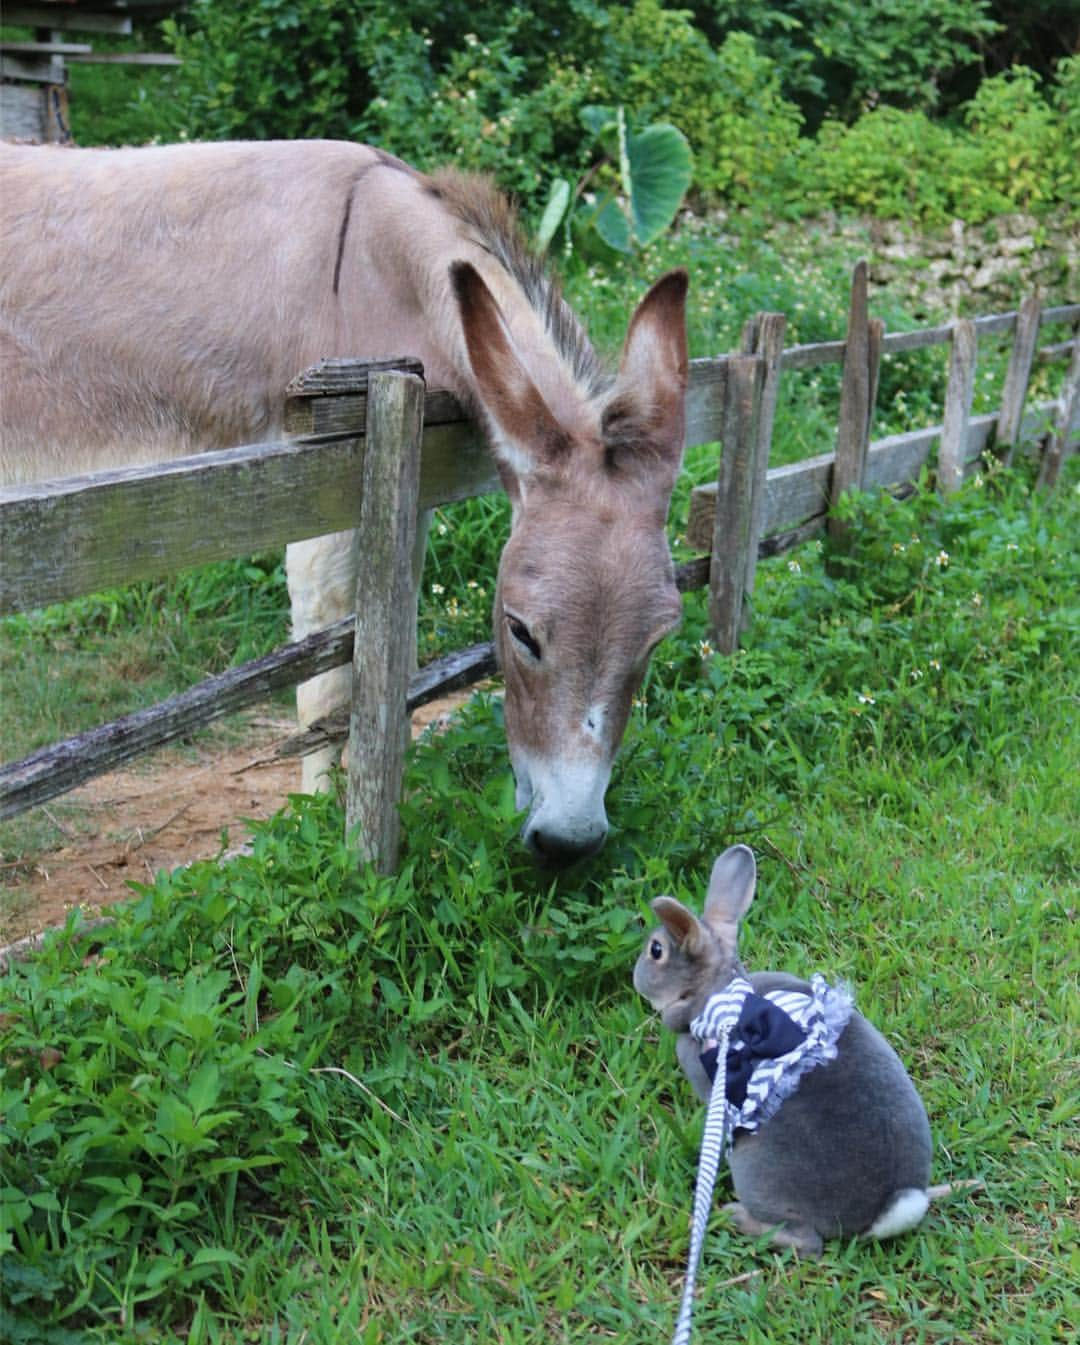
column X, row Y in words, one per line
column 858, row 392
column 1057, row 445
column 734, row 520
column 385, row 614
column 1017, row 376
column 763, row 335
column 959, row 393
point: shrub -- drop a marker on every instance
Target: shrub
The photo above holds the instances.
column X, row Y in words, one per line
column 727, row 102
column 891, row 163
column 837, row 56
column 1014, row 151
column 1017, row 152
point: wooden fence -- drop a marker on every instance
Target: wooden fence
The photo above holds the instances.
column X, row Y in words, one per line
column 369, row 450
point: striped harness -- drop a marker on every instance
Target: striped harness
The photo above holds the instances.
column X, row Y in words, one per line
column 766, row 1043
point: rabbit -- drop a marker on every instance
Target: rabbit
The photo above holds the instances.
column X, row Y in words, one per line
column 848, row 1150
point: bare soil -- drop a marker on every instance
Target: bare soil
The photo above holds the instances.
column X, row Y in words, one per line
column 167, row 810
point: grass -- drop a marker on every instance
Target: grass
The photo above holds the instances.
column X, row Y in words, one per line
column 290, row 1101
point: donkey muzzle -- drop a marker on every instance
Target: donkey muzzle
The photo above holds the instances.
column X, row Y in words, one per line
column 566, row 821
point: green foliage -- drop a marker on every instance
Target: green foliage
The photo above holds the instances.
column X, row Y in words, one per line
column 727, row 101
column 485, row 111
column 504, row 90
column 1015, row 151
column 287, row 1099
column 652, row 168
column 482, row 85
column 131, row 647
column 1021, row 150
column 838, row 57
column 123, row 104
column 272, row 69
column 890, row 163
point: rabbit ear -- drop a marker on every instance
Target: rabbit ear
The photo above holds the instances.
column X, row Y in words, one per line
column 731, row 890
column 680, row 923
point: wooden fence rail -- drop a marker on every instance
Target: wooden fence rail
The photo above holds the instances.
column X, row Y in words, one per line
column 61, row 539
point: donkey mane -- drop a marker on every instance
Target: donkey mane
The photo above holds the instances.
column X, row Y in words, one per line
column 493, row 220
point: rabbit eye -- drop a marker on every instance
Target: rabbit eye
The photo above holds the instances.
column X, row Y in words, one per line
column 656, row 950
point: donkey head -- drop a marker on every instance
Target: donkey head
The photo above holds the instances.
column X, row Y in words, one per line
column 586, row 586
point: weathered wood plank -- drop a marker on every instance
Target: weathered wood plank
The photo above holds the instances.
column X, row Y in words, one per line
column 763, row 336
column 45, row 48
column 53, row 770
column 62, row 766
column 812, row 356
column 344, row 414
column 144, row 58
column 385, row 609
column 1060, row 313
column 35, row 69
column 798, row 493
column 23, row 111
column 862, row 358
column 54, row 16
column 60, row 539
column 705, row 400
column 331, row 377
column 1018, row 375
column 458, row 670
column 733, row 516
column 897, row 343
column 1059, row 443
column 959, row 393
column 329, row 400
column 1060, row 350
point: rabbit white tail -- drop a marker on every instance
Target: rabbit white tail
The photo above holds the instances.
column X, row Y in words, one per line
column 902, row 1212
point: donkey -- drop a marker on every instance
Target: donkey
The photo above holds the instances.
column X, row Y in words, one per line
column 155, row 302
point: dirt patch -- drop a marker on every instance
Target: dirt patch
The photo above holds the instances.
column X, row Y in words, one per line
column 166, row 811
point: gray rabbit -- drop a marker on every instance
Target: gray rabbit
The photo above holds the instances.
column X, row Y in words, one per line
column 839, row 1150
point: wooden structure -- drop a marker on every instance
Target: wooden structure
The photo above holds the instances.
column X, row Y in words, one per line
column 33, row 71
column 370, row 449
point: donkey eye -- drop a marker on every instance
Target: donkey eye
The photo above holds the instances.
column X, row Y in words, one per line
column 656, row 950
column 523, row 636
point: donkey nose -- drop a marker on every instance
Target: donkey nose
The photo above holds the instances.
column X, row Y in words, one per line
column 556, row 851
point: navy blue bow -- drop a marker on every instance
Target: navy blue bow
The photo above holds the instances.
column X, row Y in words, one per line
column 762, row 1032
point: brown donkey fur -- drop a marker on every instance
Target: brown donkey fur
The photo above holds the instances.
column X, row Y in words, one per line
column 155, row 302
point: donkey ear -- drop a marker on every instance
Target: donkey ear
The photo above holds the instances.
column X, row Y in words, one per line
column 526, row 434
column 731, row 890
column 645, row 416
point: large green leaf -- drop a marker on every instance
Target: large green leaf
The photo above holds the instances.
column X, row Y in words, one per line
column 661, row 167
column 613, row 226
column 597, row 118
column 558, row 200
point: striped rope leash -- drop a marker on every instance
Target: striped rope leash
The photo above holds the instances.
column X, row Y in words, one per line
column 712, row 1150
